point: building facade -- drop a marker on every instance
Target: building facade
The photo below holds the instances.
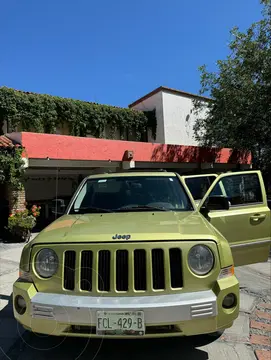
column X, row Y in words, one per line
column 57, row 163
column 175, row 115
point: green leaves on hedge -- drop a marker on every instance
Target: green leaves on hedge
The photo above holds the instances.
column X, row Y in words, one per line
column 45, row 113
column 12, row 166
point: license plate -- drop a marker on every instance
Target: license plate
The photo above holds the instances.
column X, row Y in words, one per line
column 120, row 323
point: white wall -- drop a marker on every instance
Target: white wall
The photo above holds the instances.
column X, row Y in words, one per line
column 151, row 103
column 175, row 117
column 179, row 119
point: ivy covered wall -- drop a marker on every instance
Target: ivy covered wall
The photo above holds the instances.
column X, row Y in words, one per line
column 11, row 166
column 45, row 113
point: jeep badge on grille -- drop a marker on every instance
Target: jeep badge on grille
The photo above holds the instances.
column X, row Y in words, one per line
column 123, row 237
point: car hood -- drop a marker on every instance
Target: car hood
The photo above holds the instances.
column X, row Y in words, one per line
column 137, row 226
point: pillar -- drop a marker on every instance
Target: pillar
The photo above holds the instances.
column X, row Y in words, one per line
column 16, row 199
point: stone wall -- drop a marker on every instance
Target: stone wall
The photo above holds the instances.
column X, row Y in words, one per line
column 16, row 199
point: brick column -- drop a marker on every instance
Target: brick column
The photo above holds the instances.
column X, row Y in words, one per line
column 16, row 199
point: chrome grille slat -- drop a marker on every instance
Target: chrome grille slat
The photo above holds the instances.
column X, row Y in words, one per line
column 95, row 270
column 113, row 270
column 131, row 269
column 202, row 310
column 149, row 269
column 167, row 269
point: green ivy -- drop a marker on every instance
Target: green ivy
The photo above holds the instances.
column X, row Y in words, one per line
column 44, row 113
column 11, row 165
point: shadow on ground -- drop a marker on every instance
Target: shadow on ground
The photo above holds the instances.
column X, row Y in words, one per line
column 40, row 347
column 7, row 238
column 30, row 346
column 33, row 346
column 9, row 328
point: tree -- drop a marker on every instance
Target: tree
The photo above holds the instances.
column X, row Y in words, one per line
column 238, row 115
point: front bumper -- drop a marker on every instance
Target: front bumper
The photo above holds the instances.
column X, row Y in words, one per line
column 178, row 314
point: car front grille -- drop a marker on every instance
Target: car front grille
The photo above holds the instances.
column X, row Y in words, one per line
column 123, row 270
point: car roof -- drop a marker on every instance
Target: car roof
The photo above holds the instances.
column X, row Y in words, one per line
column 132, row 174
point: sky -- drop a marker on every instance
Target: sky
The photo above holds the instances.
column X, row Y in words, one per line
column 114, row 52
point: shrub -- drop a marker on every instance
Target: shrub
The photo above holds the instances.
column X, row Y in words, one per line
column 21, row 223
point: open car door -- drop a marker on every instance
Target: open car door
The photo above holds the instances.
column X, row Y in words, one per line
column 199, row 184
column 241, row 214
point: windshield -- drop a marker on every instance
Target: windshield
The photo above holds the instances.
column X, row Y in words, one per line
column 198, row 186
column 134, row 193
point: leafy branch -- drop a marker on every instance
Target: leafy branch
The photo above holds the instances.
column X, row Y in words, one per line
column 239, row 115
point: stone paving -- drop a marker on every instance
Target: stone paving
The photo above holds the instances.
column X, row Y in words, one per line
column 260, row 329
column 258, row 286
column 248, row 338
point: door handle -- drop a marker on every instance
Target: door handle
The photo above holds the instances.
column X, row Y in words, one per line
column 258, row 217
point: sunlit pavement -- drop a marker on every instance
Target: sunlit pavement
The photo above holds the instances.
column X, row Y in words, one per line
column 248, row 335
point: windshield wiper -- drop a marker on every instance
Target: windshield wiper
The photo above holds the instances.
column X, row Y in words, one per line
column 91, row 209
column 141, row 207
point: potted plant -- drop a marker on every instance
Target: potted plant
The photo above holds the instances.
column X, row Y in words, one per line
column 21, row 223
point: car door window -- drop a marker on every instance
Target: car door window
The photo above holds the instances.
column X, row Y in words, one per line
column 199, row 185
column 240, row 189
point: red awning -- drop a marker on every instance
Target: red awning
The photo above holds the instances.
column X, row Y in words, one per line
column 62, row 147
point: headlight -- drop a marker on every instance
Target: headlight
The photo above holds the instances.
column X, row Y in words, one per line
column 46, row 263
column 200, row 259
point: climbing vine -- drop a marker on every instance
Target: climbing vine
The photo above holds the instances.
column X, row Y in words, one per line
column 45, row 113
column 11, row 166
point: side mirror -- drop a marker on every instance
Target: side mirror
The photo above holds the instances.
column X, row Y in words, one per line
column 217, row 203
